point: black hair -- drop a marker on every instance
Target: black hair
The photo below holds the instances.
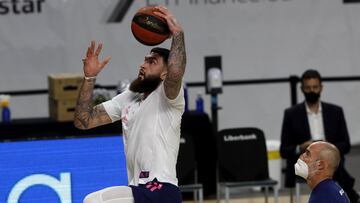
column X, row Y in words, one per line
column 162, row 52
column 310, row 74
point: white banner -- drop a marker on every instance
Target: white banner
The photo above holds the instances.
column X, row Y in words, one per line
column 256, row 39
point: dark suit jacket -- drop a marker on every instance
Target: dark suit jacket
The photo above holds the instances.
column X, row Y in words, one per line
column 296, row 130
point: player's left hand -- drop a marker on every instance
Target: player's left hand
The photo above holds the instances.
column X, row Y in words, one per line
column 165, row 13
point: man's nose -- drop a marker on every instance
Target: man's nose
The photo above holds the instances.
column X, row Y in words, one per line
column 142, row 66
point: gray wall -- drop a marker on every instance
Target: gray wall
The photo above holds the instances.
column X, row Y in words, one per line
column 257, row 39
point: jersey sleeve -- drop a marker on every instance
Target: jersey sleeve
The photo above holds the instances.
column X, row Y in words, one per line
column 114, row 106
column 178, row 102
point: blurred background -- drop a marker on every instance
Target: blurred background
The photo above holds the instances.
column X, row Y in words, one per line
column 264, row 47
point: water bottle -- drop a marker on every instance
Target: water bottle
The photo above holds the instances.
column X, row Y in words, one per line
column 199, row 103
column 5, row 110
column 186, row 97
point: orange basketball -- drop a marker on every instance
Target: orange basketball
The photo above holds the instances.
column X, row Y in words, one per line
column 148, row 28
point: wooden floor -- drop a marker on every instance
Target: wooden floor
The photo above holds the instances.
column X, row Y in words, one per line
column 282, row 199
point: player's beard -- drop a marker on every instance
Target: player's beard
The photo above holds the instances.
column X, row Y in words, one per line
column 147, row 85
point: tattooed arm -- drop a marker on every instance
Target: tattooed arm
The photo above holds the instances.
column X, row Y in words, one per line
column 177, row 55
column 176, row 66
column 87, row 116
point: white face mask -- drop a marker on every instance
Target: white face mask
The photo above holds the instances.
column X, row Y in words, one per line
column 301, row 169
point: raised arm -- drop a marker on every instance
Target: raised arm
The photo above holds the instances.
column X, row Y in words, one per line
column 177, row 55
column 87, row 116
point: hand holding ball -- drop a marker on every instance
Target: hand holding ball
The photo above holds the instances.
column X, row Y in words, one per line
column 148, row 28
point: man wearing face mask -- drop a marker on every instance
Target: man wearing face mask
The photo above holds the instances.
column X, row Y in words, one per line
column 314, row 120
column 317, row 166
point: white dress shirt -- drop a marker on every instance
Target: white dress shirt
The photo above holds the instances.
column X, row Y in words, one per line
column 316, row 123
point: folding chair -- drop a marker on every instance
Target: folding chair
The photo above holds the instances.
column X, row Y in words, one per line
column 186, row 168
column 243, row 161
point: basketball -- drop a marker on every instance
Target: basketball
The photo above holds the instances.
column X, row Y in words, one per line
column 148, row 28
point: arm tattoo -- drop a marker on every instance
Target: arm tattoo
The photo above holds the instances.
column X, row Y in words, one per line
column 176, row 66
column 87, row 116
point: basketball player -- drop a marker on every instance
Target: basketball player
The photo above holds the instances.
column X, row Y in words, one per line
column 150, row 111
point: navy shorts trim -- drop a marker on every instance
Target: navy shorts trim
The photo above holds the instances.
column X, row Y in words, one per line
column 156, row 192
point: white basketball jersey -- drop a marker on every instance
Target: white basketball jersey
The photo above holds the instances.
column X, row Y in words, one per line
column 151, row 131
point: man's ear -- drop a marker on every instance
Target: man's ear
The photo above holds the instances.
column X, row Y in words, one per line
column 321, row 165
column 163, row 75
